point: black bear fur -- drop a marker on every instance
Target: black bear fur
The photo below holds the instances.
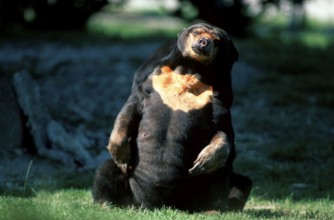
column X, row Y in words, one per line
column 173, row 141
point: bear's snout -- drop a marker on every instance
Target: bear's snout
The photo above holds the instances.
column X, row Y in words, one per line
column 203, row 42
column 203, row 46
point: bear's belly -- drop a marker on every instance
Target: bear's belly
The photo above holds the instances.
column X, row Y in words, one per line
column 168, row 143
column 160, row 172
column 162, row 161
column 176, row 125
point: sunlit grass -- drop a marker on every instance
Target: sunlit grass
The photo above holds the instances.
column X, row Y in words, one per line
column 77, row 204
column 290, row 54
column 134, row 26
column 312, row 39
column 287, row 208
column 312, row 33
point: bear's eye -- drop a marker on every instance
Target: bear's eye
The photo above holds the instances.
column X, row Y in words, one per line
column 195, row 33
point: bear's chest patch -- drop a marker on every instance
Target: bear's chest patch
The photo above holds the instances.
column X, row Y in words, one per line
column 183, row 92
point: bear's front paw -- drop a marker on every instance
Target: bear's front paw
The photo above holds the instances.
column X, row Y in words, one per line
column 121, row 154
column 125, row 167
column 209, row 159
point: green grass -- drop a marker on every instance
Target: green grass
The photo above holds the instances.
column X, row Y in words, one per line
column 286, row 136
column 289, row 53
column 134, row 26
column 77, row 204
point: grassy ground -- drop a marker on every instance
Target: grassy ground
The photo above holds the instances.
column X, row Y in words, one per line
column 284, row 124
column 77, row 204
column 287, row 122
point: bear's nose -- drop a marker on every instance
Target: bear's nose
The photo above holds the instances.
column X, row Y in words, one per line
column 203, row 42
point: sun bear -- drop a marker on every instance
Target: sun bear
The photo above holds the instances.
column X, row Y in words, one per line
column 173, row 141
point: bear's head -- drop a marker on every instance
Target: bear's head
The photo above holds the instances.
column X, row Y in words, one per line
column 205, row 43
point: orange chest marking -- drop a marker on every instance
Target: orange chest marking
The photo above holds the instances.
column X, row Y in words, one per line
column 181, row 91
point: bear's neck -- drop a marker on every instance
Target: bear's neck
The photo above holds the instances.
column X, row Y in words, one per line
column 185, row 65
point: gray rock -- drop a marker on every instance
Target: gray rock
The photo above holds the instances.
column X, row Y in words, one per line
column 10, row 120
column 29, row 99
column 51, row 139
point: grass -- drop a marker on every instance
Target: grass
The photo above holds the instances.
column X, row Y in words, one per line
column 77, row 204
column 288, row 118
column 134, row 26
column 286, row 140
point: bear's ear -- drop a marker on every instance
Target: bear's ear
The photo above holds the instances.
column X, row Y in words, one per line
column 178, row 34
column 226, row 44
column 234, row 54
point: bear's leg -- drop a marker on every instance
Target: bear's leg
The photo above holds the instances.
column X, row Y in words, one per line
column 202, row 193
column 111, row 185
column 240, row 187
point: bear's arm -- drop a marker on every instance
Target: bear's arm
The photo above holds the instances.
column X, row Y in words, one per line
column 125, row 128
column 128, row 119
column 213, row 156
column 220, row 151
